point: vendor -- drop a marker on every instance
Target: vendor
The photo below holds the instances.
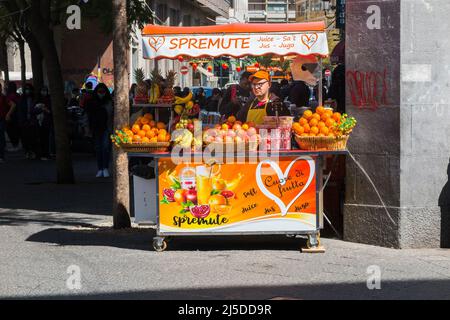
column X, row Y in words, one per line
column 264, row 103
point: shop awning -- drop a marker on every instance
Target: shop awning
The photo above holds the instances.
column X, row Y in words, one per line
column 235, row 40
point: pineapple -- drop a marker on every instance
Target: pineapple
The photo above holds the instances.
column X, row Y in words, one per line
column 170, row 82
column 141, row 87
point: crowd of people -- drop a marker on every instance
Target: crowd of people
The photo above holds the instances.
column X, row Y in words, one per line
column 27, row 120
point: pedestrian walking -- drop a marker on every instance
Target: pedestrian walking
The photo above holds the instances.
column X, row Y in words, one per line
column 42, row 112
column 100, row 113
column 12, row 126
column 6, row 109
column 28, row 123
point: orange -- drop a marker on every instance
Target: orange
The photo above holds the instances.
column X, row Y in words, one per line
column 325, row 116
column 337, row 116
column 329, row 112
column 321, row 135
column 149, row 116
column 314, row 130
column 149, row 134
column 296, row 127
column 162, row 131
column 145, row 140
column 312, row 134
column 245, row 126
column 303, row 121
column 161, row 138
column 304, row 134
column 300, row 130
column 144, row 120
column 154, row 139
column 321, row 124
column 313, row 122
column 217, row 200
column 307, row 114
column 330, row 123
column 219, row 184
column 232, row 119
column 136, row 128
column 168, row 138
column 137, row 139
column 180, row 196
column 155, row 131
column 161, row 125
column 320, row 110
column 152, row 124
column 316, row 116
column 324, row 130
column 306, row 128
column 146, row 127
column 331, row 134
column 141, row 133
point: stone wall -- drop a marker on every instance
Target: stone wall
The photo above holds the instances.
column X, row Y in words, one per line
column 398, row 88
column 425, row 123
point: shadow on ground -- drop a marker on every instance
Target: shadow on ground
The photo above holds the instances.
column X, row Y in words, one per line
column 23, row 217
column 411, row 289
column 31, row 184
column 141, row 239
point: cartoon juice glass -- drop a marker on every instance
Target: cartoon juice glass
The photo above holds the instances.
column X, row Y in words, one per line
column 204, row 179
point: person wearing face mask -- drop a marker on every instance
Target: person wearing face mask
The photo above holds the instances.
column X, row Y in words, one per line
column 28, row 122
column 100, row 113
column 43, row 113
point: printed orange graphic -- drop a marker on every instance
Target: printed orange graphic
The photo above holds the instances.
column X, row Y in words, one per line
column 232, row 196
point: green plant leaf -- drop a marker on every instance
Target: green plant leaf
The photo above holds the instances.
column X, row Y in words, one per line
column 214, row 192
column 165, row 201
column 176, row 185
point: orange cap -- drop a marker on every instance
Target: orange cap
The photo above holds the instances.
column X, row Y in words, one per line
column 261, row 74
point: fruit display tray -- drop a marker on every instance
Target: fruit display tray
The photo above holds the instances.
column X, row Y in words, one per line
column 322, row 143
column 145, row 147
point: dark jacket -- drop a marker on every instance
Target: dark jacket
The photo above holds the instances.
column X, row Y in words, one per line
column 100, row 113
column 24, row 111
column 274, row 104
column 233, row 100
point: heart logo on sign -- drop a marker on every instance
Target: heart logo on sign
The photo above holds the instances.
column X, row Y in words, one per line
column 309, row 39
column 283, row 179
column 156, row 42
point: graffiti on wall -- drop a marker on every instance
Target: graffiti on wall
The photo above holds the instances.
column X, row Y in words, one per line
column 368, row 89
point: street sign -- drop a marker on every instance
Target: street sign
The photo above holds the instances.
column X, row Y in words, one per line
column 184, row 70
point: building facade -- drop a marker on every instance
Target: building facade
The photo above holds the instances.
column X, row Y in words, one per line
column 271, row 11
column 89, row 50
column 311, row 10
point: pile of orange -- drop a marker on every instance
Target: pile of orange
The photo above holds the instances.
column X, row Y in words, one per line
column 146, row 130
column 321, row 123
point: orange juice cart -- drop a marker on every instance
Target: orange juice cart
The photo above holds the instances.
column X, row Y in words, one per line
column 238, row 191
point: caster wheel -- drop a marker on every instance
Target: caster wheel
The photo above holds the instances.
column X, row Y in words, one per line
column 159, row 246
column 314, row 243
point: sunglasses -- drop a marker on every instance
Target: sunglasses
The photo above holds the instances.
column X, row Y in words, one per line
column 259, row 85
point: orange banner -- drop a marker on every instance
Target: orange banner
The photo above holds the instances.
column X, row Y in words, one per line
column 269, row 196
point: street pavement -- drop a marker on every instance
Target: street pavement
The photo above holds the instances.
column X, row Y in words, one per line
column 47, row 231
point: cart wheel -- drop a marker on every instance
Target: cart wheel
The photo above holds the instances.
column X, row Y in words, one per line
column 159, row 245
column 313, row 241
